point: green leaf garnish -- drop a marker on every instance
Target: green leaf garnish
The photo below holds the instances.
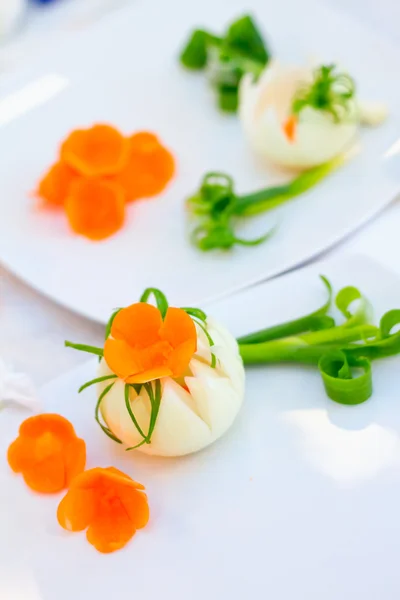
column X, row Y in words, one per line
column 216, row 208
column 195, row 53
column 228, row 58
column 330, row 92
column 244, row 37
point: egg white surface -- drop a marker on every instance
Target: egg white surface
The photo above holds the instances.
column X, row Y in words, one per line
column 189, row 419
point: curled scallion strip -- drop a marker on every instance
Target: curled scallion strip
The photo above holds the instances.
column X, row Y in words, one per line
column 330, row 92
column 336, row 369
column 216, row 208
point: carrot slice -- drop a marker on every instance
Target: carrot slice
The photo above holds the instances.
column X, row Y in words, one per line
column 100, row 150
column 109, row 504
column 95, row 208
column 47, row 453
column 149, row 169
column 55, row 185
column 144, row 142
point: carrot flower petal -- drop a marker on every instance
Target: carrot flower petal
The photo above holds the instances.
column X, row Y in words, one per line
column 47, row 423
column 136, row 506
column 47, row 476
column 21, row 455
column 75, row 459
column 122, row 359
column 111, row 530
column 178, row 327
column 76, row 510
column 137, row 324
column 181, row 357
column 150, row 375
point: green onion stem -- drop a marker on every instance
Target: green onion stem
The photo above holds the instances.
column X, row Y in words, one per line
column 269, row 198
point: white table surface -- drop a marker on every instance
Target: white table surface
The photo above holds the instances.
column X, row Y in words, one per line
column 32, row 328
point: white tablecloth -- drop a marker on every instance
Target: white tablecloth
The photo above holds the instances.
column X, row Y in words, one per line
column 32, row 328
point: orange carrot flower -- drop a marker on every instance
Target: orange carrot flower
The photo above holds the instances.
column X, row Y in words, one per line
column 48, row 453
column 109, row 504
column 100, row 150
column 142, row 347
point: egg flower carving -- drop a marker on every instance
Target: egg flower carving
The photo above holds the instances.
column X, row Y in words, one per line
column 299, row 117
column 170, row 380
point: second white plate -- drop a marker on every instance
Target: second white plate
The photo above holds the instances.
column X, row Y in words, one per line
column 298, row 500
column 125, row 71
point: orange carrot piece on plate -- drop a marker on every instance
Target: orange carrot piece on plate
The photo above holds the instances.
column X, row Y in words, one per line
column 96, row 208
column 55, row 185
column 149, row 169
column 48, row 453
column 100, row 150
column 109, row 504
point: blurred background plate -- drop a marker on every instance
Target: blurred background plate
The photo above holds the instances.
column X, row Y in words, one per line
column 125, row 71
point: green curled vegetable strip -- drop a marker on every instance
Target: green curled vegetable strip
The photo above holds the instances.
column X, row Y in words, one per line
column 315, row 321
column 345, row 298
column 336, row 369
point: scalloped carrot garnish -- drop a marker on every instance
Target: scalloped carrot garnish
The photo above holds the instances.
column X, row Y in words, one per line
column 47, row 453
column 149, row 169
column 95, row 208
column 95, row 152
column 55, row 185
column 98, row 171
column 143, row 347
column 109, row 504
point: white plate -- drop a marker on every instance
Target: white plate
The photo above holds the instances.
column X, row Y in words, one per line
column 126, row 71
column 298, row 500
